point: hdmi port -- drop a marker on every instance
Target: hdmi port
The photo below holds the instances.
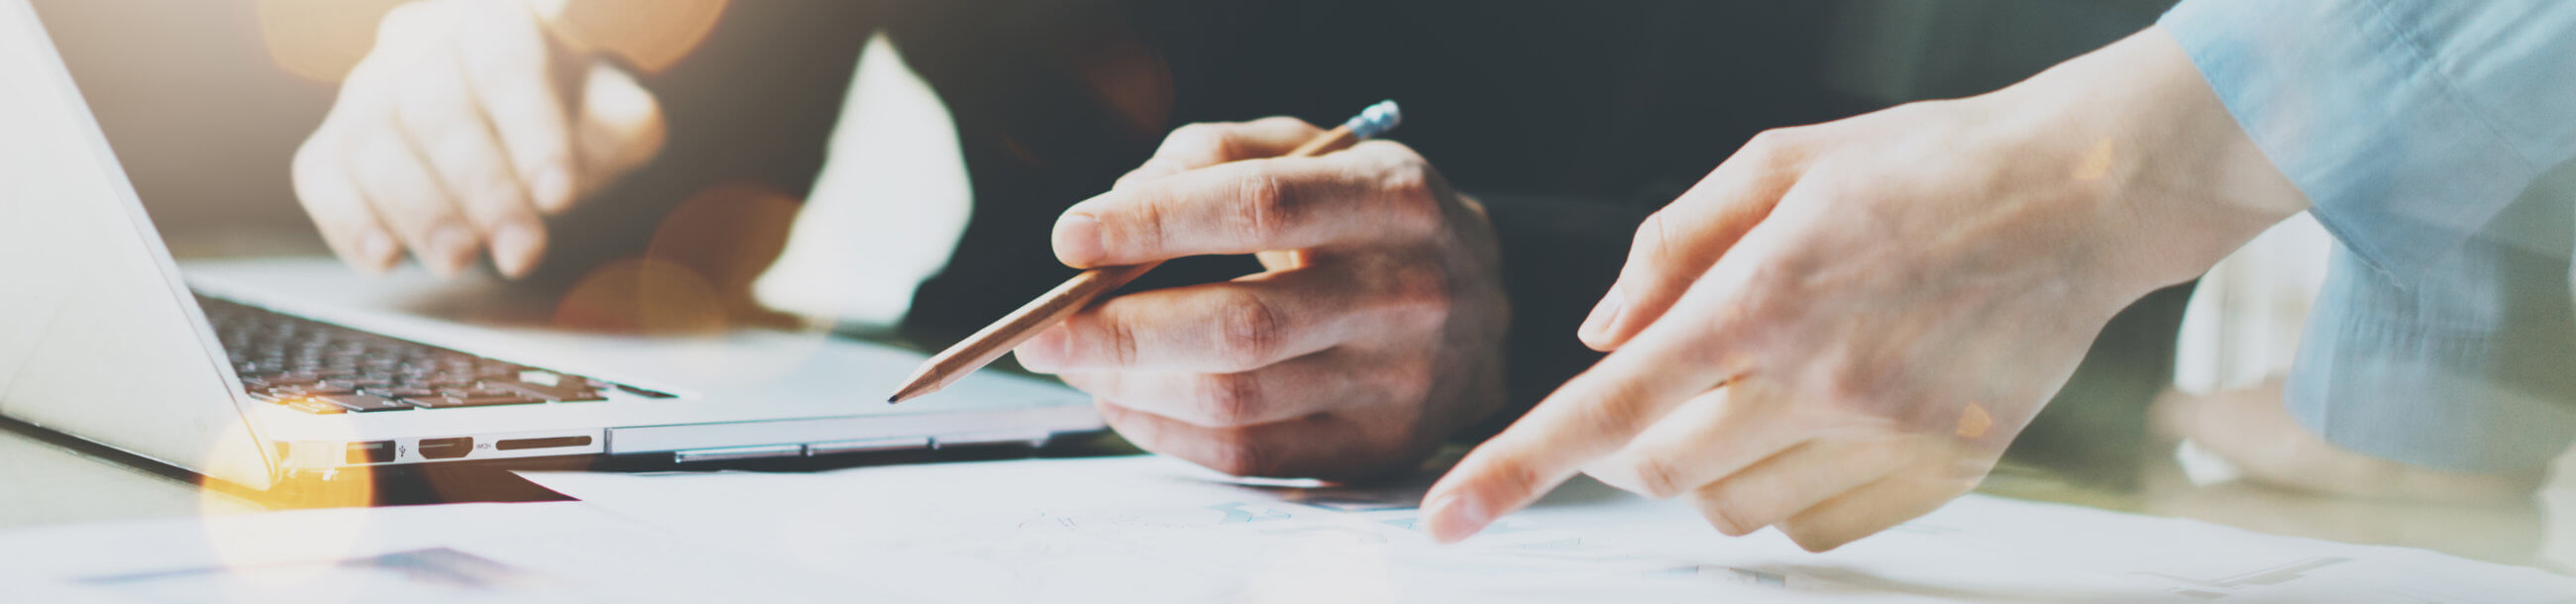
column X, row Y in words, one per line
column 446, row 448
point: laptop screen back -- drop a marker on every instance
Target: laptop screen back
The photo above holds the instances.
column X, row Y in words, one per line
column 98, row 338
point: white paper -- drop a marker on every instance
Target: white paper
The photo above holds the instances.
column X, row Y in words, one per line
column 455, row 554
column 1148, row 529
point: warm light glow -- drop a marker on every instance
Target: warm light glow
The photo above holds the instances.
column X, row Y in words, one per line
column 1974, row 421
column 644, row 297
column 693, row 286
column 246, row 539
column 727, row 235
column 2097, row 162
column 320, row 40
column 650, row 34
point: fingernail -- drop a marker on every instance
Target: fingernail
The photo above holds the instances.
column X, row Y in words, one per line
column 515, row 249
column 454, row 248
column 1077, row 240
column 1452, row 517
column 1044, row 353
column 553, row 189
column 1596, row 328
column 376, row 251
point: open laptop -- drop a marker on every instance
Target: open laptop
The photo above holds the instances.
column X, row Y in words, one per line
column 256, row 371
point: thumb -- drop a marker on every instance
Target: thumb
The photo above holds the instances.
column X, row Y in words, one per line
column 619, row 126
column 1680, row 242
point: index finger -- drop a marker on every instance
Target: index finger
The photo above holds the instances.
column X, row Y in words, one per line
column 1678, row 243
column 1593, row 415
column 508, row 64
column 1376, row 191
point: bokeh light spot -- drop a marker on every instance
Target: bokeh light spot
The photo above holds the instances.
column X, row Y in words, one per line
column 320, row 40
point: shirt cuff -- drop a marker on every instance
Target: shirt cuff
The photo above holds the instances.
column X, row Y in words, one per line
column 2469, row 379
column 2399, row 164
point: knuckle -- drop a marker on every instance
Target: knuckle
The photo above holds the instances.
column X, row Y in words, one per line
column 1263, row 207
column 461, row 151
column 1405, row 379
column 311, row 162
column 1284, row 121
column 1229, row 400
column 1422, row 292
column 493, row 53
column 432, row 105
column 1143, row 223
column 403, row 16
column 1243, row 457
column 1657, row 478
column 1411, row 189
column 1653, row 246
column 1198, row 143
column 1855, row 389
column 1773, row 143
column 375, row 158
column 1511, row 476
column 1251, row 330
column 1725, row 517
column 1618, row 405
column 1121, row 341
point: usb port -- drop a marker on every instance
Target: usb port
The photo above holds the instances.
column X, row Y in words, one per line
column 446, row 448
column 380, row 451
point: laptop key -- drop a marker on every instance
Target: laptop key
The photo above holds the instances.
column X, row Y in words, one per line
column 364, row 403
column 281, row 379
column 324, row 368
column 312, row 406
column 326, row 388
column 473, row 398
column 355, row 383
column 400, row 392
column 574, row 393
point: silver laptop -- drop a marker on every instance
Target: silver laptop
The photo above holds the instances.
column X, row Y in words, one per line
column 256, row 371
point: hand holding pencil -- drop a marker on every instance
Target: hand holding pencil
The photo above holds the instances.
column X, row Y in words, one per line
column 1373, row 334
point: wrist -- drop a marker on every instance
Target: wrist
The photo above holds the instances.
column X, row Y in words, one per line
column 2173, row 183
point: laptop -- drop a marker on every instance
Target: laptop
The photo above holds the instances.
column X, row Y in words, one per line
column 255, row 372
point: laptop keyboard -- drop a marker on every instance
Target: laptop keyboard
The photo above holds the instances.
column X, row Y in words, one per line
column 318, row 367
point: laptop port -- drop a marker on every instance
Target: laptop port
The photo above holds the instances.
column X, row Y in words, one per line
column 381, row 451
column 516, row 444
column 446, row 448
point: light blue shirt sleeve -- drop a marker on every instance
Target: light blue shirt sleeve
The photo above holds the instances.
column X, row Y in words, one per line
column 2433, row 139
column 2409, row 123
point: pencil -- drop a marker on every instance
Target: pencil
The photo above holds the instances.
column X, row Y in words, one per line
column 998, row 339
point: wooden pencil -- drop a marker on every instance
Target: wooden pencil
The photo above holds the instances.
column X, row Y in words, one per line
column 998, row 339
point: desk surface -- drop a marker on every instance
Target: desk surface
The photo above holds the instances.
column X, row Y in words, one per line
column 50, row 482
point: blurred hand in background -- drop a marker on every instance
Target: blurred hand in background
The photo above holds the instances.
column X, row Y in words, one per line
column 2251, row 429
column 466, row 124
column 1375, row 333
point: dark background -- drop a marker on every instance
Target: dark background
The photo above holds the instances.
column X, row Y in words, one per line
column 1571, row 120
